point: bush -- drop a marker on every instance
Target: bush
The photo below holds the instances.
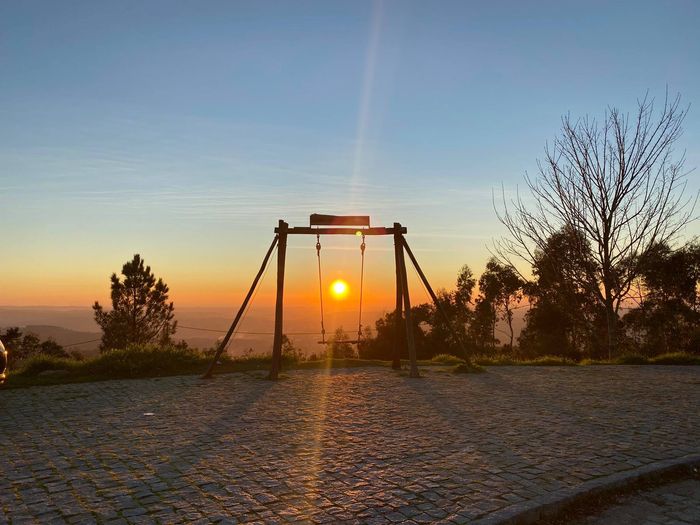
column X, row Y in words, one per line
column 676, row 358
column 495, row 360
column 632, row 359
column 593, row 362
column 447, row 359
column 36, row 364
column 144, row 361
column 504, row 360
column 464, row 368
column 549, row 360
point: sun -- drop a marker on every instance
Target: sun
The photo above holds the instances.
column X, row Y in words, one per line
column 339, row 289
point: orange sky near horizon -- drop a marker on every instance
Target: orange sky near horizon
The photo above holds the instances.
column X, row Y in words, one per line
column 63, row 280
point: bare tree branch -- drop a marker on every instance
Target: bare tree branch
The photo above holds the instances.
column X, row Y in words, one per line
column 616, row 183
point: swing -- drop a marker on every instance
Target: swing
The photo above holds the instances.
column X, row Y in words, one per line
column 357, row 341
column 339, row 225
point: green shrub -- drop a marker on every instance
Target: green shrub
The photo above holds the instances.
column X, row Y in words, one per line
column 632, row 359
column 495, row 360
column 549, row 360
column 464, row 368
column 676, row 358
column 505, row 360
column 593, row 362
column 39, row 363
column 447, row 359
column 144, row 361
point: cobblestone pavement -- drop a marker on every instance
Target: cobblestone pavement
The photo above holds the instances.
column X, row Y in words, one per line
column 356, row 446
column 675, row 503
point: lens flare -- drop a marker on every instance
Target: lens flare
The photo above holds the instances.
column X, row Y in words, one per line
column 339, row 289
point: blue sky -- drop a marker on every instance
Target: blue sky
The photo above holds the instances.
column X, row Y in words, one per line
column 184, row 130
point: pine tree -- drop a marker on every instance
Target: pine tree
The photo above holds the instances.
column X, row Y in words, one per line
column 141, row 313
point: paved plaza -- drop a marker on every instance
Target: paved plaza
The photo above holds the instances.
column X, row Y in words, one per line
column 342, row 446
column 675, row 503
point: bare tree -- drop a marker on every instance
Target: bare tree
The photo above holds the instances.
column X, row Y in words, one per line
column 616, row 183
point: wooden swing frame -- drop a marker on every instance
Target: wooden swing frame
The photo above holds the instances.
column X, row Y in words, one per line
column 341, row 225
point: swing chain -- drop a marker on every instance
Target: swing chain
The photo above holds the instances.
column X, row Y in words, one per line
column 320, row 285
column 362, row 280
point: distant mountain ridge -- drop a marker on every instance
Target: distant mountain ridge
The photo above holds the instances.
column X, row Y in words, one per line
column 67, row 337
column 200, row 327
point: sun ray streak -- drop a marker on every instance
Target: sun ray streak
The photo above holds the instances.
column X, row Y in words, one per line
column 363, row 120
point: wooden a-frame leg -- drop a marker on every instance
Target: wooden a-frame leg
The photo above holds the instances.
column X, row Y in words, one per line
column 239, row 314
column 398, row 316
column 276, row 365
column 410, row 341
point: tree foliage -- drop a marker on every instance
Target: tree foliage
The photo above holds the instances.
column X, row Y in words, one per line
column 21, row 346
column 501, row 290
column 432, row 334
column 338, row 347
column 141, row 313
column 564, row 317
column 668, row 316
column 616, row 183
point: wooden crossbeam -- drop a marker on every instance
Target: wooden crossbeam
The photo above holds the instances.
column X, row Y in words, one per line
column 317, row 219
column 379, row 230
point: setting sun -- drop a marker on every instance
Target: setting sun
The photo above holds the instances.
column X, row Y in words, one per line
column 339, row 289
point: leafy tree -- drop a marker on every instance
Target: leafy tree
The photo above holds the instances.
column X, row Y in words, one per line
column 291, row 352
column 483, row 325
column 564, row 316
column 381, row 346
column 141, row 313
column 438, row 334
column 465, row 288
column 21, row 346
column 52, row 348
column 616, row 183
column 501, row 291
column 431, row 333
column 668, row 317
column 30, row 345
column 12, row 338
column 339, row 347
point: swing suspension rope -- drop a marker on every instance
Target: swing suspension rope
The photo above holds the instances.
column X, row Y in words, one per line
column 362, row 280
column 320, row 290
column 320, row 286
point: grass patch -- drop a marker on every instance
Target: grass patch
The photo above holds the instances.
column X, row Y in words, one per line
column 676, row 358
column 40, row 364
column 465, row 368
column 505, row 360
column 153, row 361
column 671, row 358
column 447, row 359
column 593, row 362
column 632, row 359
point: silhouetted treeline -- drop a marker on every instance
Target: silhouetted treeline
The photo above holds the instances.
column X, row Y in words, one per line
column 21, row 346
column 660, row 314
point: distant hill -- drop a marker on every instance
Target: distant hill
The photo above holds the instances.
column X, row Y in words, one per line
column 66, row 337
column 202, row 327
